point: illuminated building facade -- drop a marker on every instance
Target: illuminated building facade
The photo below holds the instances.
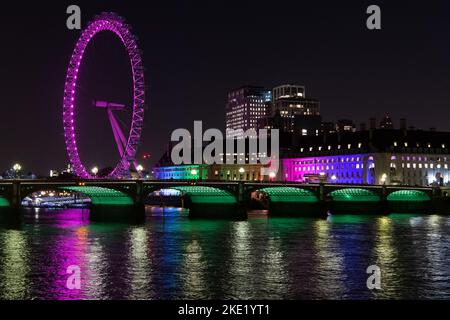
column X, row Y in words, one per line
column 245, row 106
column 165, row 169
column 181, row 172
column 288, row 91
column 215, row 172
column 292, row 112
column 382, row 156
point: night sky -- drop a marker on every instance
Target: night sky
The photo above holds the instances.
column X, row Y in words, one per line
column 196, row 51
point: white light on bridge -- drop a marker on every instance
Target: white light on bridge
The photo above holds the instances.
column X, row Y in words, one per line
column 94, row 170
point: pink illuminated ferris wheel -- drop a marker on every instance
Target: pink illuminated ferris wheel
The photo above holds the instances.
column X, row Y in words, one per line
column 127, row 146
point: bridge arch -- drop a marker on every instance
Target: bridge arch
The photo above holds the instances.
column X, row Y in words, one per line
column 102, row 195
column 354, row 195
column 408, row 195
column 354, row 201
column 409, row 201
column 205, row 201
column 4, row 202
column 99, row 196
column 290, row 201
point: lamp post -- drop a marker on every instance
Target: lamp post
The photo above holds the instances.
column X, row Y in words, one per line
column 241, row 171
column 272, row 176
column 17, row 167
column 94, row 171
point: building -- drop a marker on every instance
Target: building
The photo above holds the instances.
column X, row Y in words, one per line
column 345, row 125
column 245, row 106
column 288, row 91
column 214, row 172
column 165, row 169
column 327, row 128
column 292, row 112
column 380, row 156
column 386, row 123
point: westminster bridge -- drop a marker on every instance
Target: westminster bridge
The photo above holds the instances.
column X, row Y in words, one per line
column 111, row 199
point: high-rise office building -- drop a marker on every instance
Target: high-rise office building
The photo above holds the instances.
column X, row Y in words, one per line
column 288, row 91
column 245, row 106
column 300, row 115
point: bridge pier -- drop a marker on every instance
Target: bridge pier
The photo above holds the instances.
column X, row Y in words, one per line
column 384, row 203
column 12, row 213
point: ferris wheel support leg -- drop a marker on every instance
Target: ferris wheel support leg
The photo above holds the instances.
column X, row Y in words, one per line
column 116, row 131
column 120, row 138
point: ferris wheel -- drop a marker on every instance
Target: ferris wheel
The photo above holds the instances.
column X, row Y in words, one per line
column 126, row 145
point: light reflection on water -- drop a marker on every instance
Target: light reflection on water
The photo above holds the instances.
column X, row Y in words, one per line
column 172, row 257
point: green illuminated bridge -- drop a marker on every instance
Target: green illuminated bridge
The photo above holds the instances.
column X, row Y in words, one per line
column 126, row 198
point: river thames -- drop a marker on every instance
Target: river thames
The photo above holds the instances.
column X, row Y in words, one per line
column 173, row 257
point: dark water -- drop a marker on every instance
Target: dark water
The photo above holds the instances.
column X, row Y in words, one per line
column 172, row 257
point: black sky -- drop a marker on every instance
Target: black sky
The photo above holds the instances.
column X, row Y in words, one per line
column 195, row 51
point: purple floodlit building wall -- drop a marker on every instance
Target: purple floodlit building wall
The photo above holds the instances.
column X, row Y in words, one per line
column 115, row 24
column 351, row 168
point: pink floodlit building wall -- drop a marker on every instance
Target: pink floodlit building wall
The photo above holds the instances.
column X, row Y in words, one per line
column 352, row 169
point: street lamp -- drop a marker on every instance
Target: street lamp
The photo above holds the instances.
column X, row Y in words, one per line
column 94, row 171
column 17, row 167
column 272, row 175
column 140, row 168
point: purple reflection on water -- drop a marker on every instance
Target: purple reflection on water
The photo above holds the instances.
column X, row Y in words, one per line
column 68, row 247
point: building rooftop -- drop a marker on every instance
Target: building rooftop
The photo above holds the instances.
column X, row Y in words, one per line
column 378, row 140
